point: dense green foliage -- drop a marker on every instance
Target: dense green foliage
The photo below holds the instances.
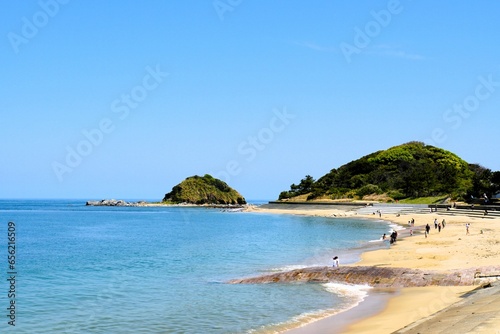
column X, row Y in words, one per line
column 407, row 171
column 304, row 187
column 203, row 190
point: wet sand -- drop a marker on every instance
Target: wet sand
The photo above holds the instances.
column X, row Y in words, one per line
column 374, row 303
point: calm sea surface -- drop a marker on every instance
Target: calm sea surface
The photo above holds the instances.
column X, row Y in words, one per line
column 162, row 270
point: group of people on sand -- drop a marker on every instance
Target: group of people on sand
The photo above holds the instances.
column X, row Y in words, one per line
column 411, row 223
column 441, row 225
column 393, row 236
column 437, row 226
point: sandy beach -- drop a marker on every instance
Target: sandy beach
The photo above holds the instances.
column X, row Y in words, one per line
column 450, row 249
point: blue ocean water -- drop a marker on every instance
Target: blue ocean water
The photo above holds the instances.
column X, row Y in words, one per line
column 163, row 270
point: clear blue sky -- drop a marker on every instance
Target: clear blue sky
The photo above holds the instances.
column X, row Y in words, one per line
column 258, row 93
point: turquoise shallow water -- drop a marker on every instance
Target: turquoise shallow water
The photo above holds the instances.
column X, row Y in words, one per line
column 162, row 270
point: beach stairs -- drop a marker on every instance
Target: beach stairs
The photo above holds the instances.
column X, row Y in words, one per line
column 393, row 209
column 469, row 213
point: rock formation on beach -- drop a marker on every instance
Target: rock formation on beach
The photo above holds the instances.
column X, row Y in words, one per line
column 379, row 276
column 204, row 190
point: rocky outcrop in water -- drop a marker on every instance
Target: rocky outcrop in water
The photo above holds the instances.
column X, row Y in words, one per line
column 379, row 276
column 112, row 202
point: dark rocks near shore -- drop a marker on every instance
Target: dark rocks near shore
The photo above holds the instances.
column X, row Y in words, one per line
column 112, row 202
column 379, row 276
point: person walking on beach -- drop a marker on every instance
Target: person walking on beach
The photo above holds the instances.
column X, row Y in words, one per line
column 435, row 223
column 443, row 223
column 335, row 261
column 467, row 228
column 427, row 228
column 394, row 236
column 439, row 227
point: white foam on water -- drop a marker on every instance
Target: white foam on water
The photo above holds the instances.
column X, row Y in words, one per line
column 287, row 268
column 396, row 227
column 392, row 227
column 296, row 322
column 377, row 240
column 354, row 294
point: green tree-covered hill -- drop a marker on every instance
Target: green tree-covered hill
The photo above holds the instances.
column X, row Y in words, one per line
column 203, row 190
column 406, row 171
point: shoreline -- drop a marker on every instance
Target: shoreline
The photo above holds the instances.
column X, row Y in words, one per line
column 442, row 251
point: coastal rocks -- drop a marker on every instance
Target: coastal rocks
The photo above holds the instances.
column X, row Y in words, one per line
column 111, row 202
column 121, row 203
column 379, row 276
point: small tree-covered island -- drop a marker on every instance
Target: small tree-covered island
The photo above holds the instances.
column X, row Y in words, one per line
column 203, row 190
column 405, row 172
column 194, row 190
